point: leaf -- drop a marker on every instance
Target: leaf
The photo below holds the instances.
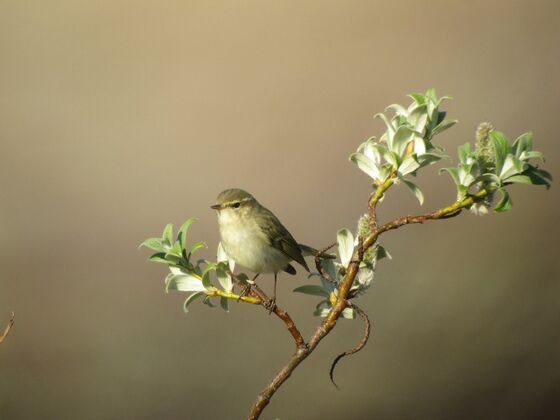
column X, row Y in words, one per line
column 454, row 172
column 419, row 98
column 196, row 246
column 206, row 280
column 167, row 235
column 185, row 283
column 152, row 243
column 207, row 302
column 402, row 137
column 182, row 234
column 345, row 245
column 442, row 126
column 520, row 179
column 408, row 165
column 365, row 164
column 348, row 313
column 414, row 188
column 501, row 148
column 312, row 289
column 464, row 151
column 175, row 250
column 224, row 303
column 382, row 253
column 190, row 299
column 223, row 276
column 523, row 143
column 331, row 269
column 539, row 176
column 159, row 258
column 505, row 203
column 511, row 166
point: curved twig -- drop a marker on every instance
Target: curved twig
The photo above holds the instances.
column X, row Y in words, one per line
column 361, row 344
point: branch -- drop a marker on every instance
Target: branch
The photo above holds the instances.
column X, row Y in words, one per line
column 361, row 344
column 258, row 296
column 344, row 287
column 8, row 328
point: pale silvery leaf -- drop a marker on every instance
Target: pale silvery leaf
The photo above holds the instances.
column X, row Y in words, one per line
column 223, row 277
column 322, row 312
column 402, row 137
column 408, row 165
column 185, row 283
column 365, row 164
column 178, row 270
column 167, row 236
column 191, row 299
column 419, row 145
column 512, row 166
column 365, row 276
column 414, row 188
column 345, row 241
column 348, row 313
column 223, row 256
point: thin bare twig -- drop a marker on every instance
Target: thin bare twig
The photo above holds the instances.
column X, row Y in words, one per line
column 361, row 344
column 8, row 328
column 318, row 264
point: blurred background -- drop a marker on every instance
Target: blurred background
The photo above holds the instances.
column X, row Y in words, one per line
column 117, row 117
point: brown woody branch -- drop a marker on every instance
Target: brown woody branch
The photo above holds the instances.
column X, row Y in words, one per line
column 330, row 321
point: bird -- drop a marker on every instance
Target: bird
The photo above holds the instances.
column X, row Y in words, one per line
column 253, row 237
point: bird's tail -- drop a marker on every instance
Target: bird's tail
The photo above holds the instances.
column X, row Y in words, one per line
column 309, row 251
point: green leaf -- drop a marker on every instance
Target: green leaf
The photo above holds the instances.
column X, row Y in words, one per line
column 539, row 176
column 454, row 172
column 195, row 247
column 519, row 179
column 312, row 289
column 414, row 188
column 224, row 303
column 167, row 235
column 159, row 258
column 345, row 241
column 501, row 148
column 505, row 203
column 442, row 126
column 182, row 234
column 523, row 143
column 206, row 280
column 382, row 253
column 152, row 243
column 175, row 250
column 207, row 302
column 190, row 299
column 419, row 98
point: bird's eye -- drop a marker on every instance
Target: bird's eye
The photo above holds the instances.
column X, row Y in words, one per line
column 236, row 205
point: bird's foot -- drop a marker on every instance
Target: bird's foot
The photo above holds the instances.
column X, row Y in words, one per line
column 270, row 305
column 246, row 290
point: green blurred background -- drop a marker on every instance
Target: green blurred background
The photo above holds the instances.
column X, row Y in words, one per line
column 117, row 117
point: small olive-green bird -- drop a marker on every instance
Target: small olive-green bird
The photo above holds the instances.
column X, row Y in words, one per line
column 254, row 237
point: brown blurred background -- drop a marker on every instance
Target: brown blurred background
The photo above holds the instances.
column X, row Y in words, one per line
column 117, row 117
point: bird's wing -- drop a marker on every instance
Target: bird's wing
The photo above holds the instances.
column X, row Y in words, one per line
column 281, row 239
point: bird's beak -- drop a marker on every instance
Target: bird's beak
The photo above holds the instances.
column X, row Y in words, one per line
column 216, row 207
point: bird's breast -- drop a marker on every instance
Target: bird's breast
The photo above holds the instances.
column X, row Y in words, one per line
column 244, row 241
